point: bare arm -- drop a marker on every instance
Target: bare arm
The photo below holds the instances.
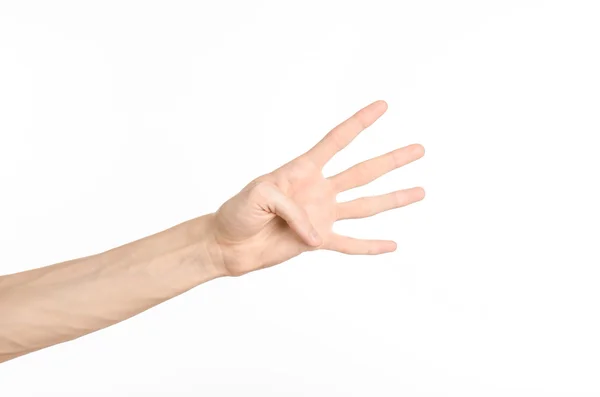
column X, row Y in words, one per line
column 53, row 304
column 274, row 218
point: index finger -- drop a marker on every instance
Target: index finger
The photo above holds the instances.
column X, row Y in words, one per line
column 339, row 137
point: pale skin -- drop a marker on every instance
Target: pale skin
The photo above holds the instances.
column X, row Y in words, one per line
column 274, row 218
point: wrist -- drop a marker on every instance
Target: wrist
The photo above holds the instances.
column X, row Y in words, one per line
column 207, row 255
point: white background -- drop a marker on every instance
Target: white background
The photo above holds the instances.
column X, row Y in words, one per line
column 119, row 119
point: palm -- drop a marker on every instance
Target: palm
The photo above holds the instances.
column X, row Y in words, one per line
column 272, row 218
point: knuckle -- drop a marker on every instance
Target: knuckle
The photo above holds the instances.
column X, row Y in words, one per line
column 261, row 189
column 337, row 140
column 398, row 199
column 397, row 158
column 361, row 120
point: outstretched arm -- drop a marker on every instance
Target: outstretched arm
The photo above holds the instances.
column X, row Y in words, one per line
column 274, row 218
column 53, row 304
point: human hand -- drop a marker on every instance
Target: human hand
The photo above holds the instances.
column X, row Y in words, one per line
column 292, row 209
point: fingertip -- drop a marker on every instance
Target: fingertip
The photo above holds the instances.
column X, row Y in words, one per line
column 383, row 104
column 384, row 247
column 315, row 239
column 420, row 192
column 419, row 149
column 392, row 246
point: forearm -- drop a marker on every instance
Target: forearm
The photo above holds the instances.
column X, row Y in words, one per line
column 54, row 304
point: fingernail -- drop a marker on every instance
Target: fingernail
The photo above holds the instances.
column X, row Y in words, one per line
column 315, row 237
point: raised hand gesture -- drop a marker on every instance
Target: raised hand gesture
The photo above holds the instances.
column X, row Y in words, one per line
column 292, row 209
